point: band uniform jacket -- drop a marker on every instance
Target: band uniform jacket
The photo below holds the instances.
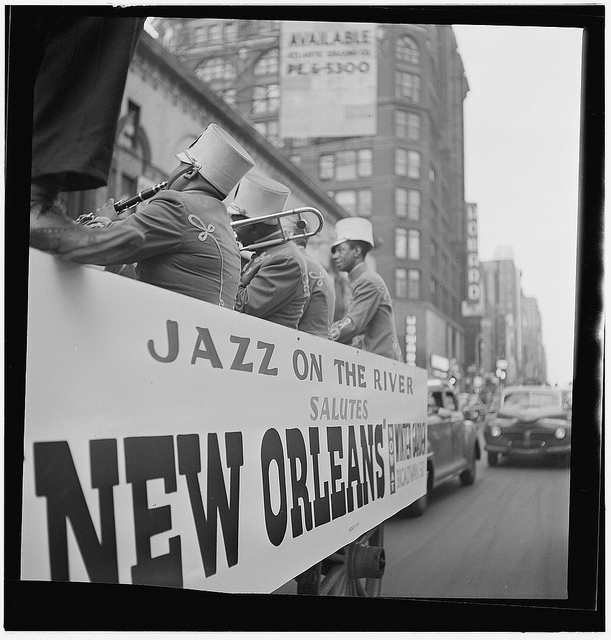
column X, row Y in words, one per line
column 274, row 285
column 190, row 246
column 369, row 321
column 317, row 316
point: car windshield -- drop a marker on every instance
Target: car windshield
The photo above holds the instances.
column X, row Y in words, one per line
column 530, row 399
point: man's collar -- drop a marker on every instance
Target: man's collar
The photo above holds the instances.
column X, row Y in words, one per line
column 357, row 271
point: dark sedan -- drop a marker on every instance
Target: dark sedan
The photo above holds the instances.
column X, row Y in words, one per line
column 531, row 421
column 453, row 446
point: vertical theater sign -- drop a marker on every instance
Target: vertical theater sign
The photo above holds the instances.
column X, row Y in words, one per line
column 473, row 305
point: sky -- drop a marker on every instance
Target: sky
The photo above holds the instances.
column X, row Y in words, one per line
column 522, row 124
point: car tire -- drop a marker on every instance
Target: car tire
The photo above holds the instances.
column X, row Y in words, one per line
column 493, row 458
column 467, row 477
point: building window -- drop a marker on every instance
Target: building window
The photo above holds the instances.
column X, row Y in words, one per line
column 229, row 96
column 231, row 31
column 265, row 98
column 269, row 129
column 407, row 85
column 364, row 200
column 401, row 124
column 364, row 163
column 401, row 202
column 406, row 50
column 216, row 69
column 347, row 200
column 413, row 165
column 214, row 32
column 326, row 167
column 346, row 165
column 401, row 283
column 407, row 125
column 400, row 243
column 357, row 202
column 407, row 203
column 413, row 244
column 413, row 289
column 267, row 64
column 413, row 126
column 129, row 134
column 413, row 204
column 199, row 35
column 401, row 162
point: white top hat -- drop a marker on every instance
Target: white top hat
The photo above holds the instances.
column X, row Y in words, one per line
column 218, row 158
column 353, row 229
column 258, row 196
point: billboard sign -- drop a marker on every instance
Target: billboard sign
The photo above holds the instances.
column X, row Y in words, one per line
column 328, row 79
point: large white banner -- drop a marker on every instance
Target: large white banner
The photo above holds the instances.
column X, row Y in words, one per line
column 173, row 442
column 328, row 79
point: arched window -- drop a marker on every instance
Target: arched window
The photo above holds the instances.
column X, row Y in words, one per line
column 216, row 69
column 267, row 64
column 406, row 50
column 265, row 98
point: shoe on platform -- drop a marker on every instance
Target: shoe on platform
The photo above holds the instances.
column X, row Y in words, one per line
column 53, row 231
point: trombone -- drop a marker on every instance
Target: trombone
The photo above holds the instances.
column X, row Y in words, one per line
column 300, row 224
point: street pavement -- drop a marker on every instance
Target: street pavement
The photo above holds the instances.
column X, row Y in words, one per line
column 506, row 536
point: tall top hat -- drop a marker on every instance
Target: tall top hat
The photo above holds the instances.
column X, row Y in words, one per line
column 218, row 158
column 257, row 196
column 353, row 229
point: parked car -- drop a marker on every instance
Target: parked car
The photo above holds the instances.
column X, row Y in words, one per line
column 531, row 421
column 472, row 406
column 453, row 445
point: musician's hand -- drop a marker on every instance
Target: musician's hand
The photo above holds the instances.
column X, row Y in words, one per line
column 107, row 211
column 334, row 331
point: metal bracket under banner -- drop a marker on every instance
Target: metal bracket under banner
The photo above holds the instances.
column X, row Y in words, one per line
column 175, row 443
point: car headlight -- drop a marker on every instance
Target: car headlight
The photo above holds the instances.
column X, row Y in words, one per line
column 495, row 431
column 560, row 433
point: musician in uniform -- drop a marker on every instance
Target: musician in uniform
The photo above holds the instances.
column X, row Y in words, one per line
column 317, row 316
column 190, row 246
column 369, row 322
column 274, row 283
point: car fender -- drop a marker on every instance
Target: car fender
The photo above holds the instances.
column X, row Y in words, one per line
column 470, row 435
